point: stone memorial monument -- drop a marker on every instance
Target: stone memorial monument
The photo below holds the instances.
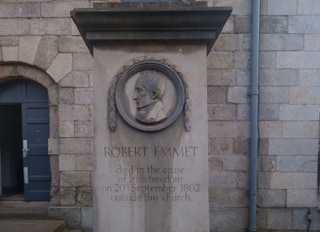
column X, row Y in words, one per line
column 150, row 112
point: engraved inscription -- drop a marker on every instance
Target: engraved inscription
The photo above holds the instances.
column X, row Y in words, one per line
column 153, row 182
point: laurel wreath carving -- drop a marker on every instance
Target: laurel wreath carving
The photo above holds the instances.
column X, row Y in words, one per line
column 112, row 109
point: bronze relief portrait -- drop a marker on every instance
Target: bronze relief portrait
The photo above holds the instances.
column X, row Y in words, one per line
column 148, row 95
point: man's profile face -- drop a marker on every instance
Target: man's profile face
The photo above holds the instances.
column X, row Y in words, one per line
column 142, row 96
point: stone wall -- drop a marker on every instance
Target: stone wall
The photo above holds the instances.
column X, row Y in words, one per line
column 288, row 117
column 41, row 35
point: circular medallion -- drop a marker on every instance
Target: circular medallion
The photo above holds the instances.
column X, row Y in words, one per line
column 149, row 95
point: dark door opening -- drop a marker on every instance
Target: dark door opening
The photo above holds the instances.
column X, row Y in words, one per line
column 24, row 131
column 10, row 150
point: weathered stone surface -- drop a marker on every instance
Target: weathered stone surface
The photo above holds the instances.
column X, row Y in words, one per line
column 272, row 198
column 242, row 24
column 274, row 24
column 241, row 146
column 311, row 42
column 76, row 145
column 84, row 196
column 279, row 219
column 83, row 96
column 267, row 60
column 304, row 24
column 75, row 179
column 82, row 61
column 267, row 163
column 269, row 112
column 293, row 146
column 47, row 51
column 76, row 79
column 59, row 26
column 28, row 46
column 242, row 60
column 235, row 219
column 66, row 128
column 299, row 218
column 74, row 112
column 304, row 95
column 236, row 163
column 302, row 129
column 274, row 95
column 282, row 7
column 220, row 60
column 299, row 112
column 297, row 60
column 83, row 129
column 68, row 196
column 227, row 198
column 223, row 77
column 223, row 180
column 72, row 44
column 67, row 162
column 61, row 66
column 14, row 27
column 283, row 42
column 216, row 95
column 9, row 41
column 20, row 10
column 53, row 146
column 270, row 129
column 87, row 217
column 227, row 42
column 10, row 53
column 243, row 112
column 302, row 198
column 84, row 162
column 71, row 214
column 294, row 181
column 228, row 129
column 221, row 112
column 61, row 8
column 275, row 77
column 309, row 77
column 297, row 163
column 215, row 163
column 220, row 146
column 239, row 7
column 238, row 94
column 66, row 95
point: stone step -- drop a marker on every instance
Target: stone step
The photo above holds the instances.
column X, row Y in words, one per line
column 19, row 225
column 13, row 213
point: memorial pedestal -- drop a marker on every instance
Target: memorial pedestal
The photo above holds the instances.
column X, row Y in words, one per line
column 150, row 112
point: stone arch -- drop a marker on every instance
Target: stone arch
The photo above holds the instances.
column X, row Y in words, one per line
column 13, row 71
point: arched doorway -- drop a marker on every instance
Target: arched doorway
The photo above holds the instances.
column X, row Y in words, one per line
column 24, row 133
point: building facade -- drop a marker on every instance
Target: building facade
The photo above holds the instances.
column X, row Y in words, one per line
column 47, row 70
